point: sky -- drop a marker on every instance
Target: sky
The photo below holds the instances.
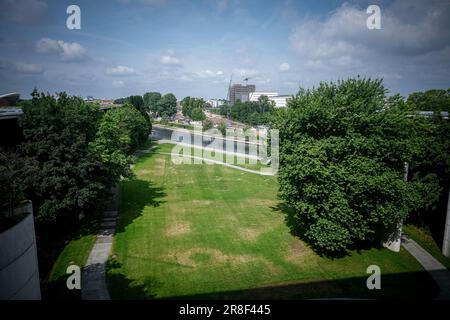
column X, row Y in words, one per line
column 189, row 47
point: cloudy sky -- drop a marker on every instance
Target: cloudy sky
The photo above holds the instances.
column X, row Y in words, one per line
column 192, row 48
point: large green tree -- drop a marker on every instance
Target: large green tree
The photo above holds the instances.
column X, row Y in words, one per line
column 70, row 178
column 151, row 101
column 167, row 105
column 343, row 147
column 431, row 166
column 121, row 131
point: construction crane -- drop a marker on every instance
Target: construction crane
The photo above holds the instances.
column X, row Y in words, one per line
column 229, row 88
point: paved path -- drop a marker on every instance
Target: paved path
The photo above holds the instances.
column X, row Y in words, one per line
column 93, row 286
column 437, row 270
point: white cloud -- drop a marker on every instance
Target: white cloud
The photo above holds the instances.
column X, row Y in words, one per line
column 29, row 68
column 67, row 51
column 341, row 45
column 120, row 71
column 169, row 59
column 285, row 67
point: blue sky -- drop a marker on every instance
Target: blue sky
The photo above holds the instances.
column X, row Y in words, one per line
column 192, row 48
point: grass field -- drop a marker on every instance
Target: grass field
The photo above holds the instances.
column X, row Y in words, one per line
column 76, row 252
column 209, row 231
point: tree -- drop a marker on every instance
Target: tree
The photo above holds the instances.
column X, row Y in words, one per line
column 222, row 128
column 138, row 103
column 250, row 112
column 431, row 100
column 15, row 173
column 151, row 101
column 120, row 132
column 431, row 166
column 188, row 104
column 342, row 155
column 207, row 124
column 167, row 105
column 197, row 114
column 121, row 101
column 70, row 178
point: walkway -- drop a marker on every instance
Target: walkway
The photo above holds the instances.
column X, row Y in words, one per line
column 93, row 286
column 437, row 270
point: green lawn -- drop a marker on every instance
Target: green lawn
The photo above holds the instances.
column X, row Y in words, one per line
column 214, row 232
column 76, row 251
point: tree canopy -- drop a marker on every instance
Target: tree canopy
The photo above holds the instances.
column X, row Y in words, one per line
column 343, row 147
column 167, row 105
column 70, row 178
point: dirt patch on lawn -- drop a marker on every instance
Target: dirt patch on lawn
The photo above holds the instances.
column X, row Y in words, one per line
column 296, row 251
column 249, row 234
column 209, row 256
column 202, row 202
column 179, row 229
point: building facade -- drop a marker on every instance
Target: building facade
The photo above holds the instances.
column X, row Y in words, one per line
column 279, row 100
column 240, row 92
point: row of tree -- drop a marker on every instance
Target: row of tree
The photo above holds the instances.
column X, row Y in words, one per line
column 343, row 150
column 193, row 108
column 249, row 112
column 71, row 155
column 153, row 102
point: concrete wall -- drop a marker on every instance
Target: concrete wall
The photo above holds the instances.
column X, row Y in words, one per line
column 19, row 272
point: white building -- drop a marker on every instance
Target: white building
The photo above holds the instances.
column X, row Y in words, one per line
column 280, row 100
column 215, row 103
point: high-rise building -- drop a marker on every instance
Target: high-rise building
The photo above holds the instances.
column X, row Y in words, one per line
column 240, row 92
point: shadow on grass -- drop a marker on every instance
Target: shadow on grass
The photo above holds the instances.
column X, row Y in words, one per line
column 122, row 288
column 401, row 286
column 136, row 194
column 413, row 285
column 297, row 230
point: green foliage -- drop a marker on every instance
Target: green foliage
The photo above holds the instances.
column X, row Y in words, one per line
column 197, row 114
column 207, row 124
column 70, row 179
column 222, row 128
column 189, row 104
column 431, row 166
column 225, row 110
column 151, row 101
column 120, row 132
column 15, row 173
column 342, row 153
column 167, row 105
column 431, row 100
column 121, row 101
column 250, row 112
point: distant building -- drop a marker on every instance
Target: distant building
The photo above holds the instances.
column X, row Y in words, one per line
column 9, row 99
column 280, row 100
column 240, row 92
column 254, row 96
column 215, row 103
